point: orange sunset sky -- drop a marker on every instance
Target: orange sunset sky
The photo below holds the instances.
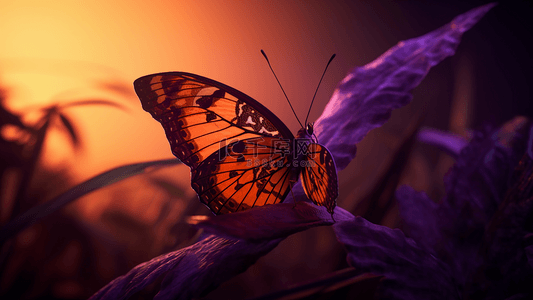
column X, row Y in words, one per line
column 50, row 48
column 59, row 51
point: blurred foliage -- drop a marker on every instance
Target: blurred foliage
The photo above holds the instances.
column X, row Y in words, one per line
column 63, row 255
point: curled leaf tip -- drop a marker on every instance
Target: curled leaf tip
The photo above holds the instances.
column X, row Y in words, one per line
column 366, row 97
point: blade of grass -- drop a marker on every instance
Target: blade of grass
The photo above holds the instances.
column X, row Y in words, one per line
column 117, row 87
column 28, row 169
column 31, row 163
column 72, row 131
column 38, row 212
column 95, row 102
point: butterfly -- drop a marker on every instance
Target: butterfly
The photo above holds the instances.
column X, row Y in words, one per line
column 240, row 154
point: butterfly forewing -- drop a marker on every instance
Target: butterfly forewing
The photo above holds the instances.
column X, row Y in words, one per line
column 229, row 140
column 198, row 114
column 319, row 177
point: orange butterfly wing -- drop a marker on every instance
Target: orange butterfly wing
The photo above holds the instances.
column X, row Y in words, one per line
column 319, row 177
column 242, row 175
column 216, row 130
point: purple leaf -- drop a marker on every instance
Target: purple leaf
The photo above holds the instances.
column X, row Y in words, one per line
column 410, row 272
column 505, row 270
column 189, row 272
column 420, row 217
column 367, row 95
column 476, row 244
column 196, row 270
column 473, row 230
column 446, row 141
column 270, row 221
column 475, row 187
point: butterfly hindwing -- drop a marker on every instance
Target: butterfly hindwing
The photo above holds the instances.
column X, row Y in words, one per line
column 244, row 174
column 197, row 113
column 319, row 177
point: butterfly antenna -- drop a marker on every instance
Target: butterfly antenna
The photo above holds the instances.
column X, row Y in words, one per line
column 332, row 57
column 263, row 52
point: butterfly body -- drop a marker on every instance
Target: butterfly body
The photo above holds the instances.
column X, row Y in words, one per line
column 240, row 154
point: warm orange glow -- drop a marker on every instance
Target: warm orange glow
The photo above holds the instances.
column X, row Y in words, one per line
column 62, row 51
column 51, row 47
